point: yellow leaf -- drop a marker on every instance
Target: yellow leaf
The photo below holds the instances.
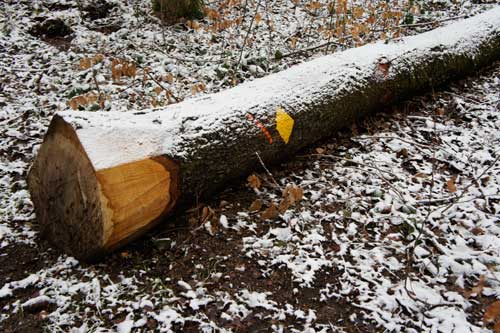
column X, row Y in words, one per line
column 284, row 124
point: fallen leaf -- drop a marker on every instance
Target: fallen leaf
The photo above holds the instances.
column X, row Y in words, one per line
column 254, row 181
column 206, row 214
column 270, row 213
column 284, row 124
column 320, row 150
column 420, row 175
column 98, row 58
column 296, row 193
column 255, row 206
column 291, row 195
column 383, row 68
column 284, row 205
column 450, row 184
column 497, row 327
column 402, row 153
column 440, row 111
column 212, row 226
column 478, row 289
column 258, row 18
column 125, row 255
column 492, row 313
column 477, row 231
column 85, row 63
column 169, row 78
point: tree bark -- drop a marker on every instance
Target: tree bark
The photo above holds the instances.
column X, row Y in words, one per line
column 101, row 179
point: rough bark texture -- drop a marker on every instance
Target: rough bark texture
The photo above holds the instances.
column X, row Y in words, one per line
column 211, row 141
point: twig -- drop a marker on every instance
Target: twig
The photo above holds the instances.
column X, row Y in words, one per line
column 267, row 171
column 411, row 250
column 312, row 48
column 247, row 35
column 413, row 143
column 380, row 171
column 98, row 89
column 475, row 180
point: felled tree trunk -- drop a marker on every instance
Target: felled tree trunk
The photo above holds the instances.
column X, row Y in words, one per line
column 103, row 178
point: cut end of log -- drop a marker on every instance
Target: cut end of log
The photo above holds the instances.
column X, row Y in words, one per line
column 88, row 212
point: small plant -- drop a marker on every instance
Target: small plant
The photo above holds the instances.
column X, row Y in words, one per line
column 173, row 10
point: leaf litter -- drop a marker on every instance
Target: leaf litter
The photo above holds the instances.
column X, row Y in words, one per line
column 391, row 229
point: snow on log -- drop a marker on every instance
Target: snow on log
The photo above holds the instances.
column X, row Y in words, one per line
column 103, row 178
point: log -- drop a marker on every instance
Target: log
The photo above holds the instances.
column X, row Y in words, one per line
column 101, row 179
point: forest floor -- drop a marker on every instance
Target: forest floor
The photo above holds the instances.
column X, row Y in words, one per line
column 397, row 230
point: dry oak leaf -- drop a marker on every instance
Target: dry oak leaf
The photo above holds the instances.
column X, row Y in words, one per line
column 255, row 206
column 320, row 150
column 254, row 181
column 492, row 313
column 450, row 184
column 270, row 213
column 284, row 205
column 85, row 63
column 291, row 195
column 206, row 214
column 496, row 328
column 478, row 289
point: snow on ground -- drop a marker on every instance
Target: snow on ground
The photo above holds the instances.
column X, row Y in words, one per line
column 397, row 231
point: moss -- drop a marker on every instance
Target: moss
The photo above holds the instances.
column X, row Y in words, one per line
column 174, row 10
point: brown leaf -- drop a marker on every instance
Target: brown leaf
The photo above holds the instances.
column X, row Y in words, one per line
column 116, row 70
column 213, row 226
column 270, row 213
column 320, row 150
column 206, row 214
column 383, row 68
column 125, row 255
column 478, row 289
column 420, row 175
column 477, row 231
column 258, row 18
column 131, row 70
column 492, row 313
column 284, row 205
column 496, row 328
column 85, row 63
column 255, row 206
column 296, row 193
column 293, row 193
column 254, row 181
column 158, row 90
column 450, row 184
column 169, row 78
column 402, row 153
column 98, row 58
